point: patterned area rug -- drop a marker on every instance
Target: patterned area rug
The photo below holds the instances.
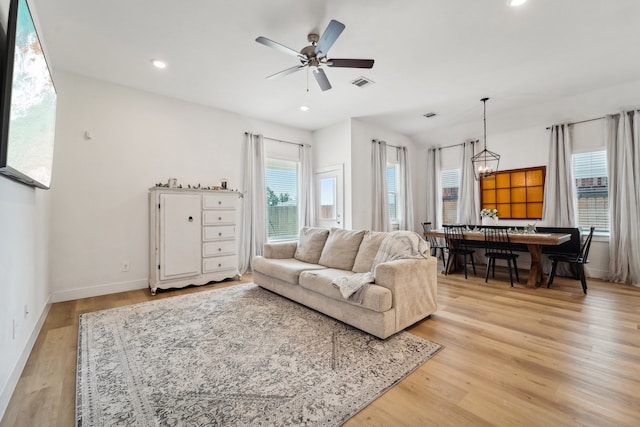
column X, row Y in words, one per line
column 237, row 356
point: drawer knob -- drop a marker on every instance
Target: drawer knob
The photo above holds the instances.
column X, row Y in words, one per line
column 219, row 202
column 219, row 218
column 219, row 249
column 219, row 234
column 219, row 265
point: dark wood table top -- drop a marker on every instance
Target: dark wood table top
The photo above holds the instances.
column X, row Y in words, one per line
column 527, row 239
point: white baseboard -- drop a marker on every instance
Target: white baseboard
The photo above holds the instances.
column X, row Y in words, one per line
column 14, row 375
column 94, row 291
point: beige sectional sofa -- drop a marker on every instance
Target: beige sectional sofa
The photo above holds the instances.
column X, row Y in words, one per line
column 404, row 290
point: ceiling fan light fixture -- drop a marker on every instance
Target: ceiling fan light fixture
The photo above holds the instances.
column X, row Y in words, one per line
column 485, row 163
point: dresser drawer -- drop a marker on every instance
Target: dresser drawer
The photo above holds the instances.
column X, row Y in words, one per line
column 224, row 247
column 218, row 217
column 228, row 262
column 216, row 201
column 218, row 233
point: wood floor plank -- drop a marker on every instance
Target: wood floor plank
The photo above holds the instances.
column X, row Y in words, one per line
column 512, row 356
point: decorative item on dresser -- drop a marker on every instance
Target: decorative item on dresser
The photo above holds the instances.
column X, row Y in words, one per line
column 192, row 237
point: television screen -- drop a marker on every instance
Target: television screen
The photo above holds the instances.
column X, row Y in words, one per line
column 28, row 109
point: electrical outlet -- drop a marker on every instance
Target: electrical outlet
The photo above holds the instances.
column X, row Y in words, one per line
column 125, row 265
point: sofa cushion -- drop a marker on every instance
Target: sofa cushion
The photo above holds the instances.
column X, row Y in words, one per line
column 341, row 248
column 287, row 269
column 310, row 244
column 376, row 298
column 368, row 250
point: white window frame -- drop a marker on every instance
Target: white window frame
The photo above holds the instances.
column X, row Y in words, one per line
column 393, row 194
column 447, row 176
column 602, row 230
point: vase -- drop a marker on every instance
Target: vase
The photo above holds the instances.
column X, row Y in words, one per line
column 486, row 220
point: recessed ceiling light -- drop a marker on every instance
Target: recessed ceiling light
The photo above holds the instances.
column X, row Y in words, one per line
column 159, row 64
column 515, row 3
column 304, row 108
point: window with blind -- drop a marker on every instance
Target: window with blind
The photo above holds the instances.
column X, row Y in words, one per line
column 392, row 191
column 281, row 178
column 450, row 179
column 592, row 188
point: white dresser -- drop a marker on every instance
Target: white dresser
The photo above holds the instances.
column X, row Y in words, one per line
column 193, row 237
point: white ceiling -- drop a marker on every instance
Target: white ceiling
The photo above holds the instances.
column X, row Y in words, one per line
column 431, row 55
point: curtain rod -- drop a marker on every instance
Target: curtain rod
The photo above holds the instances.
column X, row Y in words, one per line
column 582, row 121
column 280, row 140
column 597, row 118
column 475, row 141
column 388, row 145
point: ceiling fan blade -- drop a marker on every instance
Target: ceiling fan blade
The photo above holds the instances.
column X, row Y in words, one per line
column 286, row 72
column 282, row 48
column 329, row 37
column 350, row 63
column 322, row 79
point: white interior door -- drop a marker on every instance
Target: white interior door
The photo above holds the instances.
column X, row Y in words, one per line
column 329, row 197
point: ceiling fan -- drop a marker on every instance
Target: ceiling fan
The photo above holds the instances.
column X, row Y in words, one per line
column 315, row 55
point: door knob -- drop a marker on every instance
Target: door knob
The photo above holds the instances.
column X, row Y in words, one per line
column 190, row 219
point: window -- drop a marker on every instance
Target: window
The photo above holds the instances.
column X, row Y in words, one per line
column 592, row 189
column 281, row 178
column 450, row 179
column 393, row 170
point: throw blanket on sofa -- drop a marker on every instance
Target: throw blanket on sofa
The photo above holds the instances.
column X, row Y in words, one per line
column 401, row 245
column 397, row 245
column 352, row 287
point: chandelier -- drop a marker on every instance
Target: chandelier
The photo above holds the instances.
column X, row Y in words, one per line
column 485, row 163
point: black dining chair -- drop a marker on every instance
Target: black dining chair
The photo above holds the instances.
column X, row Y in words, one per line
column 434, row 243
column 579, row 260
column 498, row 246
column 457, row 245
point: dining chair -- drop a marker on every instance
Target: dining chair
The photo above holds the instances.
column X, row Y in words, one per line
column 498, row 246
column 434, row 243
column 579, row 260
column 457, row 245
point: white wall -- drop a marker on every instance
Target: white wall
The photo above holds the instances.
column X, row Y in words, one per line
column 24, row 252
column 361, row 135
column 99, row 212
column 332, row 146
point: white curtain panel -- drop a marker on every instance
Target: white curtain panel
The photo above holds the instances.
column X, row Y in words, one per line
column 307, row 212
column 623, row 161
column 468, row 200
column 405, row 214
column 253, row 229
column 380, row 204
column 560, row 190
column 434, row 201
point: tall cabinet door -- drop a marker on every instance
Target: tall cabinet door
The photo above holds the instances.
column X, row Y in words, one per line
column 180, row 229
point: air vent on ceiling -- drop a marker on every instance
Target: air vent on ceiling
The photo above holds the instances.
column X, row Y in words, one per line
column 362, row 82
column 429, row 115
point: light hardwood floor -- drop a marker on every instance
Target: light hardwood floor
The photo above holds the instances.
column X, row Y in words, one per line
column 522, row 357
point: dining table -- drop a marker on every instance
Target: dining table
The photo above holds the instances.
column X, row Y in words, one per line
column 533, row 241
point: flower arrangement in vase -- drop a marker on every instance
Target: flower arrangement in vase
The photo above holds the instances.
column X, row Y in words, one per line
column 489, row 216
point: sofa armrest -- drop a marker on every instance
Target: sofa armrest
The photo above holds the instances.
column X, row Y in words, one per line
column 414, row 286
column 280, row 250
